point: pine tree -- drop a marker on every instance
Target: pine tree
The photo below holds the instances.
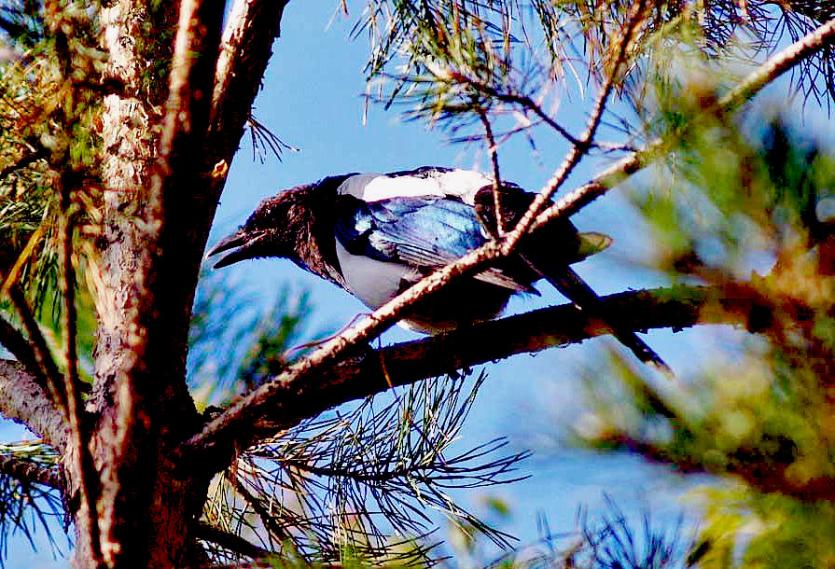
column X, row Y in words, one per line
column 119, row 121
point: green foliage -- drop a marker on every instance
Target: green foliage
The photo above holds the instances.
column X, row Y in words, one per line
column 743, row 211
column 452, row 61
column 360, row 482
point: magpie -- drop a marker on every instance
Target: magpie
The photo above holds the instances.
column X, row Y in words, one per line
column 375, row 235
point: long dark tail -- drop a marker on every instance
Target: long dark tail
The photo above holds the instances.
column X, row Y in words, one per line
column 570, row 285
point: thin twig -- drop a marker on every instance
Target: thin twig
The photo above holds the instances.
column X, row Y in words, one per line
column 267, row 518
column 230, row 541
column 579, row 150
column 82, row 457
column 493, row 151
column 523, row 101
column 750, row 86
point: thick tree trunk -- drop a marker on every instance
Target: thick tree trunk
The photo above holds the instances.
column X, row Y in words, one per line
column 144, row 509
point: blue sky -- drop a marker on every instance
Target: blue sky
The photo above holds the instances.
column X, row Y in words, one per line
column 312, row 99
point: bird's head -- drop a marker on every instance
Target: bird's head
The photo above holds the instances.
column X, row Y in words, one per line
column 273, row 230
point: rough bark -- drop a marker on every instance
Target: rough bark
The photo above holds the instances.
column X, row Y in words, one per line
column 143, row 510
column 163, row 170
column 25, row 401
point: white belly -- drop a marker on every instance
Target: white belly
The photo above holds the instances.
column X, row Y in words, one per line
column 373, row 282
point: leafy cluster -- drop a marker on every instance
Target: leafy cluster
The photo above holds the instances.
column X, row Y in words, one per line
column 50, row 83
column 750, row 215
column 453, row 61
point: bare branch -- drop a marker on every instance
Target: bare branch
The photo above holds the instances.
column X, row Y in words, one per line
column 29, row 472
column 267, row 518
column 523, row 101
column 579, row 150
column 81, row 459
column 37, row 342
column 24, row 401
column 13, row 340
column 245, row 50
column 493, row 151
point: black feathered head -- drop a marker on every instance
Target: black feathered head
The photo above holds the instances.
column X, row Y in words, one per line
column 273, row 229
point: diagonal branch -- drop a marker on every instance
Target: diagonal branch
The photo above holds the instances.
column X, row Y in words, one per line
column 51, row 376
column 373, row 371
column 22, row 162
column 267, row 517
column 579, row 150
column 18, row 345
column 24, row 401
column 382, row 318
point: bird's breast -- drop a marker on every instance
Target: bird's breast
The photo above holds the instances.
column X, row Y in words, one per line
column 373, row 282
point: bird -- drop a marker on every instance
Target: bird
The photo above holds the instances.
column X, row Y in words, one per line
column 376, row 234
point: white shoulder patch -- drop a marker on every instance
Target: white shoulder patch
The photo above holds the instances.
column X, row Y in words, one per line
column 355, row 185
column 462, row 184
column 385, row 187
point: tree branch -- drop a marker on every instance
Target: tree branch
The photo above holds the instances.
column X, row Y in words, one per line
column 245, row 51
column 579, row 150
column 13, row 340
column 48, row 368
column 23, row 162
column 267, row 518
column 384, row 317
column 80, row 459
column 368, row 372
column 24, row 401
column 768, row 476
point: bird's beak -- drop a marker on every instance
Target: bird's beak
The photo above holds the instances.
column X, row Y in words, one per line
column 242, row 242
